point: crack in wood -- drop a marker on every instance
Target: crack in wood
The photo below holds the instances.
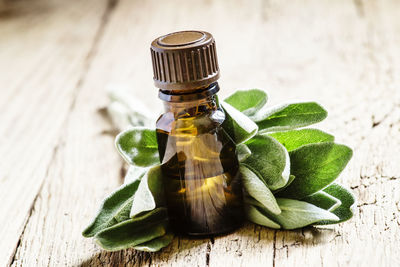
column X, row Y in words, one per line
column 31, row 209
column 208, row 254
column 359, row 8
column 294, row 244
column 385, row 117
column 274, row 252
column 111, row 4
column 367, row 204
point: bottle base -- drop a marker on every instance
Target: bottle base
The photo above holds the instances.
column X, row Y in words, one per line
column 199, row 235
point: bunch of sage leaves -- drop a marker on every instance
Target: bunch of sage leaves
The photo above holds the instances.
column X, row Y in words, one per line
column 288, row 173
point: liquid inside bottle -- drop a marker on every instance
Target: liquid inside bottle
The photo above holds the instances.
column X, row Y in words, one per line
column 198, row 161
column 200, row 169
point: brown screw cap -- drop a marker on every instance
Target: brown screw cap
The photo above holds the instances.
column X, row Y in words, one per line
column 184, row 60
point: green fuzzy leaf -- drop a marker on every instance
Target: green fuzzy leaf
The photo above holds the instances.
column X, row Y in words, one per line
column 156, row 244
column 134, row 173
column 115, row 209
column 242, row 152
column 258, row 190
column 149, row 194
column 323, row 200
column 239, row 127
column 126, row 110
column 315, row 167
column 291, row 179
column 247, row 101
column 132, row 217
column 346, row 210
column 296, row 138
column 297, row 214
column 119, row 115
column 269, row 160
column 255, row 215
column 138, row 146
column 134, row 231
column 288, row 116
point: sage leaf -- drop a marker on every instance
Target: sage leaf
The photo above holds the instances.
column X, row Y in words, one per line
column 291, row 178
column 119, row 115
column 288, row 116
column 269, row 160
column 247, row 101
column 134, row 173
column 255, row 215
column 315, row 167
column 296, row 138
column 346, row 210
column 323, row 200
column 134, row 231
column 138, row 146
column 239, row 127
column 258, row 190
column 125, row 110
column 242, row 152
column 156, row 244
column 149, row 194
column 297, row 214
column 114, row 209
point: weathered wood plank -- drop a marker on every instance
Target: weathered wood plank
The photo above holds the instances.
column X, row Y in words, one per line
column 355, row 78
column 43, row 57
column 340, row 53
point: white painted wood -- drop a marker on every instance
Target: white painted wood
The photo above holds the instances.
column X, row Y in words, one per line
column 44, row 48
column 344, row 54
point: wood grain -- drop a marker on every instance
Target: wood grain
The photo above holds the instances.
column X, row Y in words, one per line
column 344, row 54
column 43, row 61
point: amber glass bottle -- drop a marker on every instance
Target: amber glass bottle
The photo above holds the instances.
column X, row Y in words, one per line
column 199, row 165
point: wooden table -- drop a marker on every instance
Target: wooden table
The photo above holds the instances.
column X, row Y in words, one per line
column 57, row 158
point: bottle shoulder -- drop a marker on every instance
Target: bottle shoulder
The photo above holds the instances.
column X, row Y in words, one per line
column 204, row 121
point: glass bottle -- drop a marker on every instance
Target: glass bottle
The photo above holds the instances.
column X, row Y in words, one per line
column 200, row 170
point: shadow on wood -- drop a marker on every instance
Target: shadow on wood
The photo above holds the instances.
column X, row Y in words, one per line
column 186, row 246
column 132, row 257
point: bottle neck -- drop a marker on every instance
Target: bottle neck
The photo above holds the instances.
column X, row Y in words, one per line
column 191, row 103
column 179, row 96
